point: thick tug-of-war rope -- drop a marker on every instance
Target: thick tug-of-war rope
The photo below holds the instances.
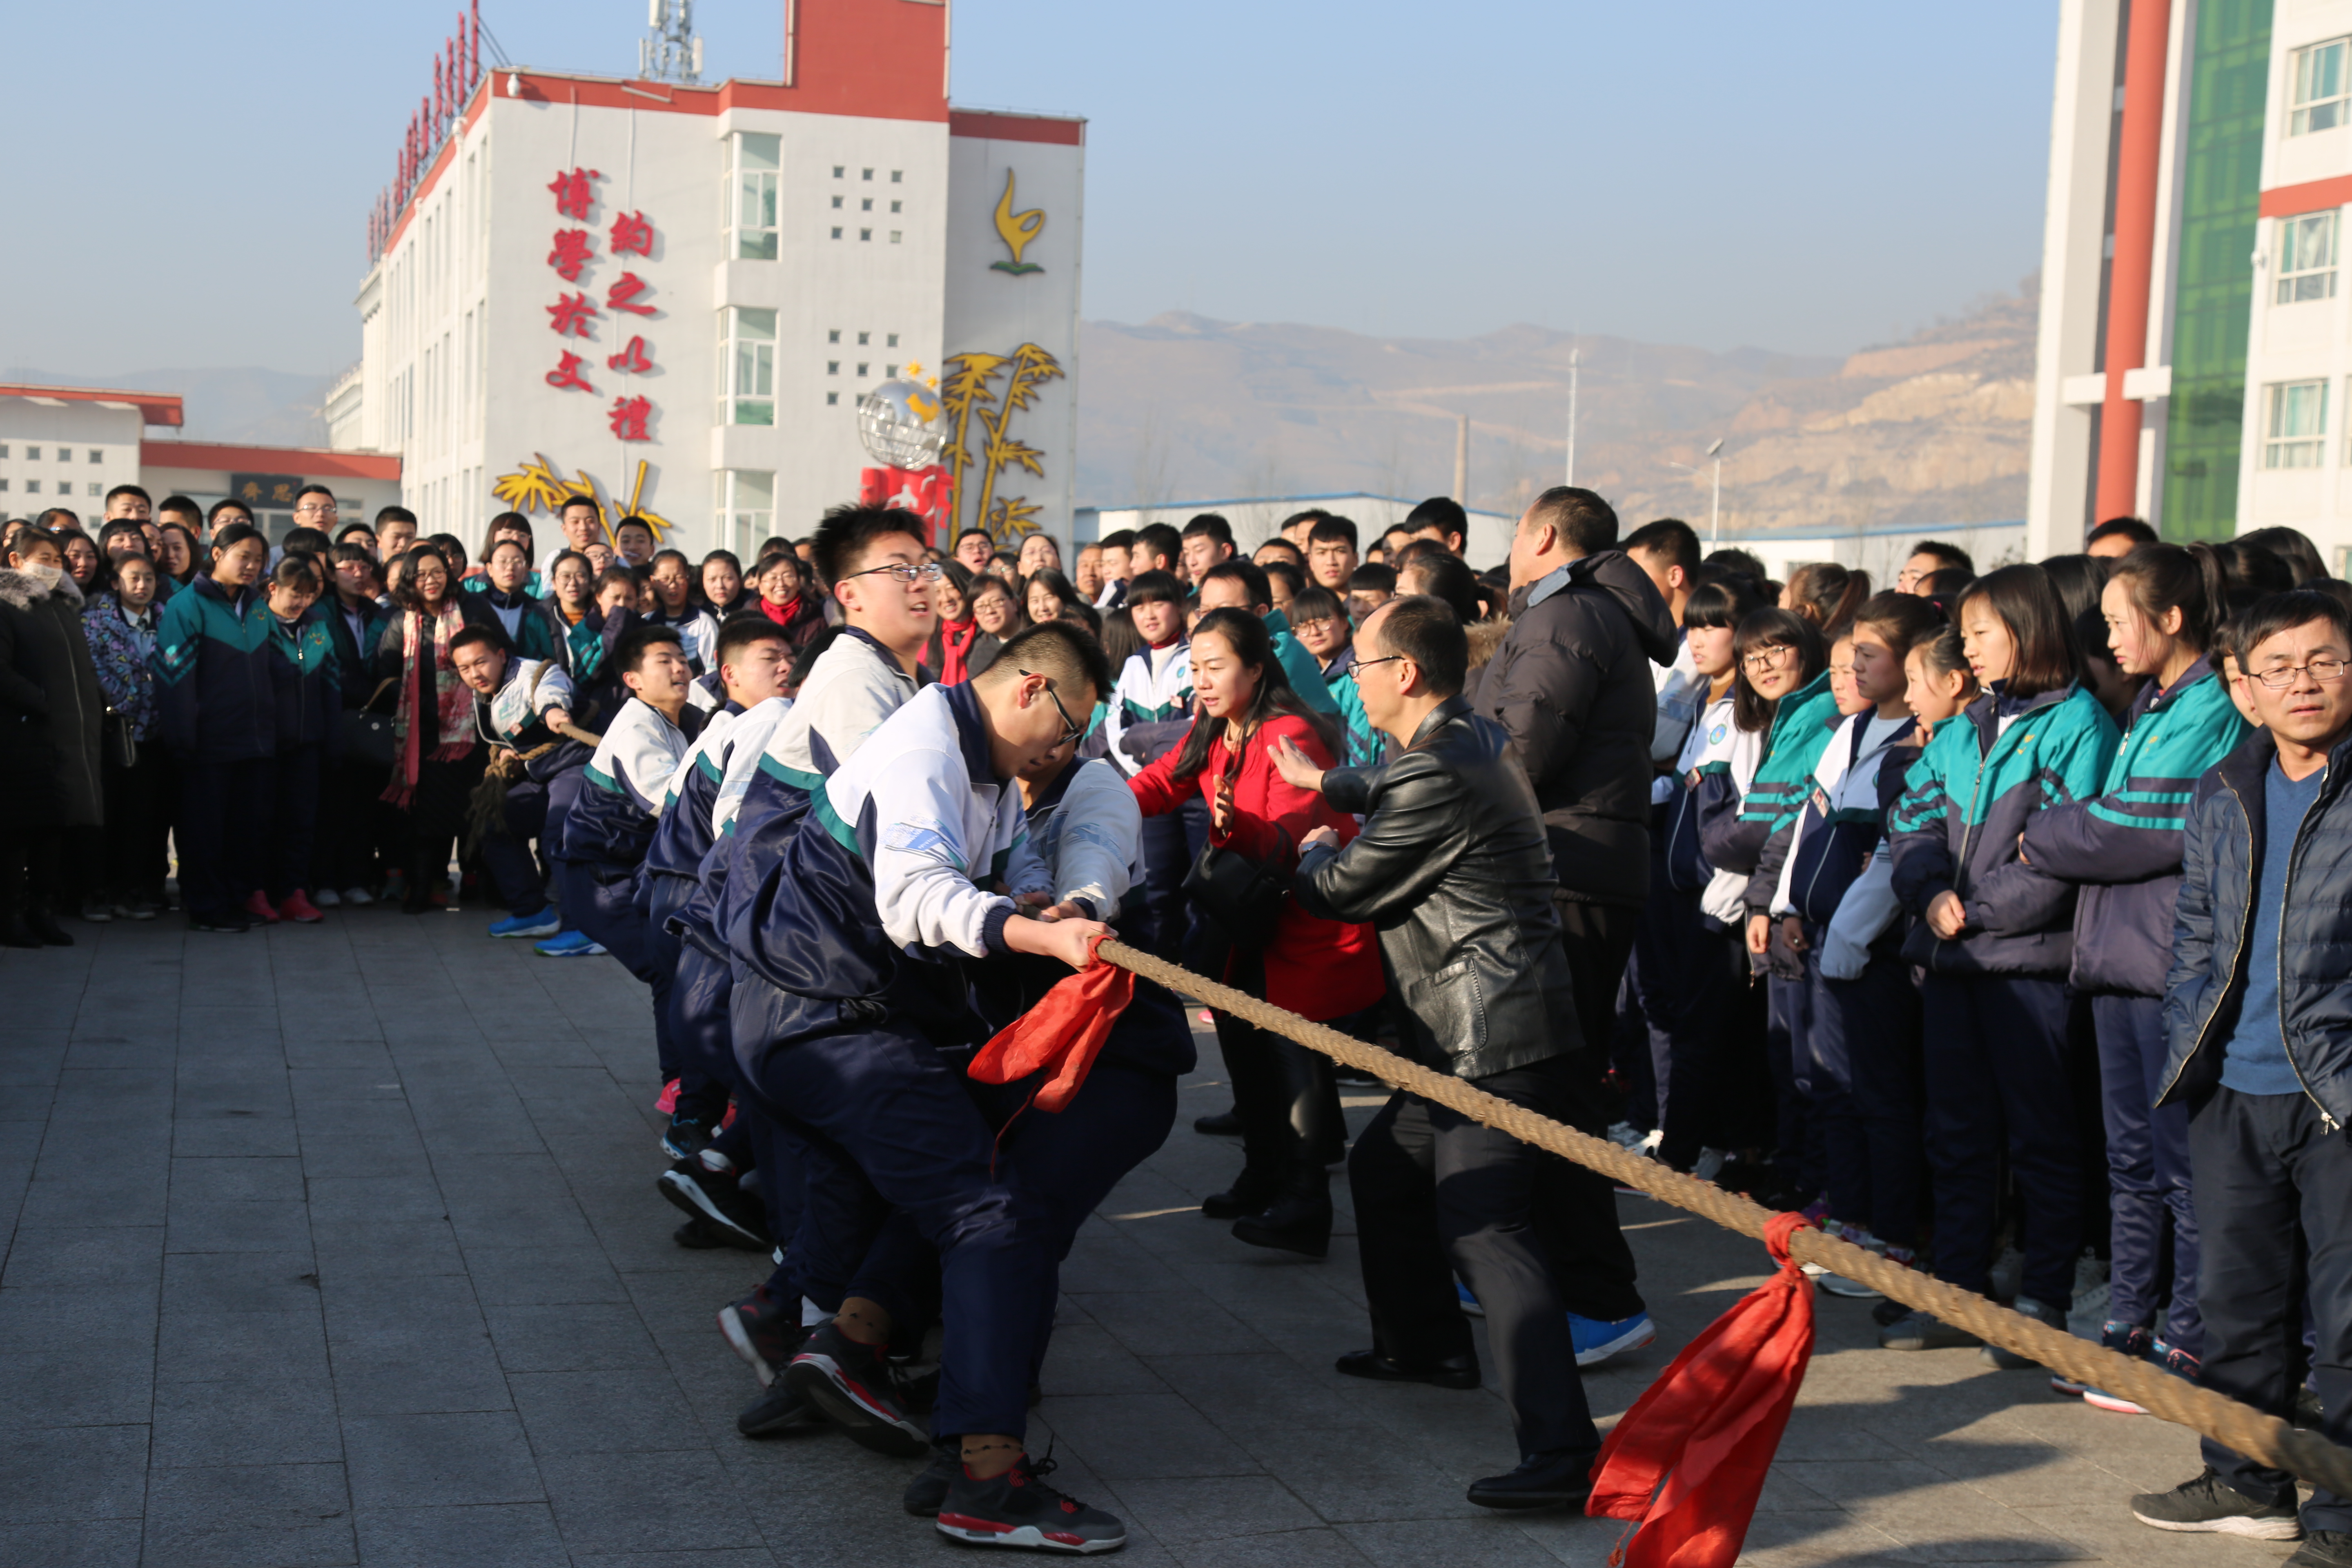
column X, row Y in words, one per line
column 2265, row 1438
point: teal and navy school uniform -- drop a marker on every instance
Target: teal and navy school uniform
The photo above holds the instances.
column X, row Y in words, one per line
column 213, row 681
column 308, row 680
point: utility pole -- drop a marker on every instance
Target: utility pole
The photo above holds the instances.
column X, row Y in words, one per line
column 1715, row 507
column 1572, row 357
column 1462, row 459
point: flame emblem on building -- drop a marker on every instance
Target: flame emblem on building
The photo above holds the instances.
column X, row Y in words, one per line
column 1017, row 230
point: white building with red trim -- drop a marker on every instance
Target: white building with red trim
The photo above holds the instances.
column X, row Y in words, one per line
column 673, row 296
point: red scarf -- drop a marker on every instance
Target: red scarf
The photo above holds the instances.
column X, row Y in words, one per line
column 956, row 638
column 783, row 614
column 1062, row 1034
column 453, row 700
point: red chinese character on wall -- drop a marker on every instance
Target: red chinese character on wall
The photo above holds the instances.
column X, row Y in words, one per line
column 567, row 374
column 629, row 416
column 625, row 290
column 633, row 360
column 574, row 249
column 632, row 232
column 572, row 314
column 574, row 195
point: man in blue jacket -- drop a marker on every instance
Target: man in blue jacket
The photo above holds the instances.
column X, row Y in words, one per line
column 2258, row 1017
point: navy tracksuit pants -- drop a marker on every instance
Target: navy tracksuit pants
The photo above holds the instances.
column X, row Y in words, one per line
column 704, row 1059
column 293, row 820
column 602, row 901
column 222, row 832
column 1787, row 1031
column 522, row 886
column 1998, row 1080
column 2152, row 1213
column 885, row 1122
column 2268, row 1173
column 1686, row 976
column 1865, row 1077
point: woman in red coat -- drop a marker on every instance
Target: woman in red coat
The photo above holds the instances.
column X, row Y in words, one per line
column 1283, row 1093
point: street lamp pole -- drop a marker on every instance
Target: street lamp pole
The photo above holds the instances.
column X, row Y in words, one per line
column 1715, row 507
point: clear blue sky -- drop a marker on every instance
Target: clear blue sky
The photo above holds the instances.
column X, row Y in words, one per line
column 188, row 185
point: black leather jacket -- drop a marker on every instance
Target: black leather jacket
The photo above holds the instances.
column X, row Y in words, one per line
column 1454, row 868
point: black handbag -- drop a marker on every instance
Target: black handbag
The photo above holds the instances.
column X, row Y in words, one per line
column 121, row 745
column 366, row 734
column 1244, row 897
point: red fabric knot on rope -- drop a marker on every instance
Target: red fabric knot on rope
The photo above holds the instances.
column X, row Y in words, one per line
column 1688, row 1462
column 1062, row 1033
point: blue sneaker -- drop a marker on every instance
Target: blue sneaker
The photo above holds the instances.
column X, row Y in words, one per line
column 1469, row 1303
column 571, row 944
column 1596, row 1341
column 2124, row 1339
column 541, row 922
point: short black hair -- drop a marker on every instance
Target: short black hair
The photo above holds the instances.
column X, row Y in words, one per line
column 2268, row 617
column 305, row 540
column 633, row 520
column 1248, row 574
column 1945, row 580
column 1215, row 526
column 1670, row 536
column 1373, row 578
column 1582, row 517
column 1117, row 539
column 1154, row 587
column 847, row 531
column 1278, row 543
column 740, row 632
column 185, row 505
column 226, row 503
column 479, row 631
column 121, row 526
column 629, row 653
column 394, row 514
column 354, row 526
column 1312, row 515
column 2130, row 527
column 2293, row 546
column 1059, row 650
column 574, row 499
column 1445, row 575
column 340, row 554
column 1283, row 572
column 133, row 490
column 1161, row 539
column 1425, row 630
column 297, row 569
column 1951, row 555
column 1443, row 513
column 613, row 577
column 2047, row 659
column 1314, row 603
column 1333, row 531
column 308, row 490
column 968, row 533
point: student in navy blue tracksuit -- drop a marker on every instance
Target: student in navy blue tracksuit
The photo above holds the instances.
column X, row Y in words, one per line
column 601, row 845
column 220, row 723
column 2162, row 606
column 1996, row 937
column 1836, row 904
column 306, row 674
column 753, row 657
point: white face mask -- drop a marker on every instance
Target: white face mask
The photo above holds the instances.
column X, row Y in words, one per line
column 46, row 577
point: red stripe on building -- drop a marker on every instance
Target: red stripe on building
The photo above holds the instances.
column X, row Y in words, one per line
column 310, row 462
column 2314, row 195
column 155, row 408
column 990, row 127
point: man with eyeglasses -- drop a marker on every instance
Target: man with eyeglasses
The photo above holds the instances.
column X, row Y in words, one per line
column 314, row 507
column 2258, row 1017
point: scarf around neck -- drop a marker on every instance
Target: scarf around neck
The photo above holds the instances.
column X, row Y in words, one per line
column 453, row 700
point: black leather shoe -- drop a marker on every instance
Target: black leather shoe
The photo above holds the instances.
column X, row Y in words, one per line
column 44, row 924
column 1224, row 1124
column 1445, row 1372
column 1293, row 1223
column 1248, row 1195
column 1542, row 1480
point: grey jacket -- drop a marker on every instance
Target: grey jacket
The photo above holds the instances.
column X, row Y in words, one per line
column 1452, row 869
column 1571, row 684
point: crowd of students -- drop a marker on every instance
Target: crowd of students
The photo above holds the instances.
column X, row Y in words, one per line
column 1962, row 917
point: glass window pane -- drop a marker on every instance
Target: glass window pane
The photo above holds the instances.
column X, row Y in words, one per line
column 755, row 151
column 754, row 491
column 752, row 322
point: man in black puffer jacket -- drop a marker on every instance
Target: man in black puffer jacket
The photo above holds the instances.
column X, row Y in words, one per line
column 1453, row 867
column 2258, row 1017
column 1571, row 685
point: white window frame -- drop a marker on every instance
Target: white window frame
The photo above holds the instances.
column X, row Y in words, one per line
column 746, row 509
column 2294, row 425
column 746, row 365
column 754, row 162
column 2319, row 86
column 2306, row 252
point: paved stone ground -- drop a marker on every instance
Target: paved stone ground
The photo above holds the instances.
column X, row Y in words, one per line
column 340, row 1245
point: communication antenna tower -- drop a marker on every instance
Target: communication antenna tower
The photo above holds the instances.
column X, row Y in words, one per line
column 672, row 52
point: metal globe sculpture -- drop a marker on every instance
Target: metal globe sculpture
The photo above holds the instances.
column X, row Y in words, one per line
column 899, row 423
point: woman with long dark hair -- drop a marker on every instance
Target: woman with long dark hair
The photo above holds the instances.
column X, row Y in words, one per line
column 435, row 762
column 948, row 653
column 1996, row 938
column 1284, row 1094
column 2162, row 605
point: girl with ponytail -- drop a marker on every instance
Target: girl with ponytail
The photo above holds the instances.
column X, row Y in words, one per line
column 2162, row 606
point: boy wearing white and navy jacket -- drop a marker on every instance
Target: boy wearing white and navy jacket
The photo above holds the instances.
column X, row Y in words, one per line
column 1860, row 1067
column 906, row 870
column 514, row 698
column 753, row 658
column 603, row 839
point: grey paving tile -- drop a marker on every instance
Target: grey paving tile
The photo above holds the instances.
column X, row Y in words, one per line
column 246, row 1179
column 544, row 1276
column 130, row 1194
column 232, row 1136
column 64, row 1473
column 586, row 1337
column 73, row 1544
column 1180, row 1513
column 510, row 1535
column 1129, row 1436
column 241, row 1281
column 259, row 1421
column 605, row 1412
column 439, row 1460
column 245, row 1515
column 228, row 1347
column 678, row 1501
column 206, row 1225
column 115, row 1257
column 75, row 1358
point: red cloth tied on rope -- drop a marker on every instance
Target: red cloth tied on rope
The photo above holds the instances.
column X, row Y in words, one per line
column 1688, row 1462
column 1064, row 1031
